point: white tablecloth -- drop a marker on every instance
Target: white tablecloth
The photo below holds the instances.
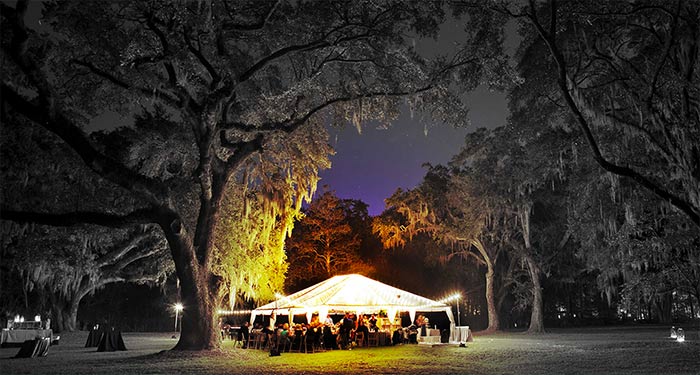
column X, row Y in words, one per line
column 14, row 336
column 459, row 334
column 429, row 339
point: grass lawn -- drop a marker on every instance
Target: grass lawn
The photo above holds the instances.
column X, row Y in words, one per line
column 609, row 350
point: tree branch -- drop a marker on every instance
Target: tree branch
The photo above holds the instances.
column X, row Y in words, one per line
column 251, row 26
column 140, row 216
column 121, row 249
column 150, row 189
column 314, row 45
column 215, row 76
column 163, row 95
column 289, row 125
column 682, row 204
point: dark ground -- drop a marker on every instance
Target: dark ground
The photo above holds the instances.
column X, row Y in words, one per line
column 608, row 350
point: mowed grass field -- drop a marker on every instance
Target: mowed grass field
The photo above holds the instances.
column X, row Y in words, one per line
column 609, row 350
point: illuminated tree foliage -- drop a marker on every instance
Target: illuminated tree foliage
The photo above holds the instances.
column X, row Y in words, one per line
column 256, row 220
column 235, row 81
column 324, row 243
column 443, row 207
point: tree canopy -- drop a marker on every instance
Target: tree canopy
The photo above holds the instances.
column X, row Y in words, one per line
column 231, row 85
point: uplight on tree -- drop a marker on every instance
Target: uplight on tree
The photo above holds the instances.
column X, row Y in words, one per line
column 680, row 335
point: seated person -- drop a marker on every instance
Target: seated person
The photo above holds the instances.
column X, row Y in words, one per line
column 397, row 337
column 412, row 334
column 329, row 339
column 315, row 322
column 373, row 323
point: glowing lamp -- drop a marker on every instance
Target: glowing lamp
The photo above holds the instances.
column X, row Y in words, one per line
column 178, row 307
column 673, row 333
column 37, row 318
column 680, row 335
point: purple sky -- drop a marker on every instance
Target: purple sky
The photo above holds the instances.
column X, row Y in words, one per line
column 371, row 166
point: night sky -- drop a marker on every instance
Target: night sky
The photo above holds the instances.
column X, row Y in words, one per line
column 372, row 165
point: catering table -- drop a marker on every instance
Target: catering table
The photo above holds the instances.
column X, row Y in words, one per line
column 432, row 336
column 110, row 341
column 38, row 347
column 93, row 338
column 460, row 334
column 19, row 336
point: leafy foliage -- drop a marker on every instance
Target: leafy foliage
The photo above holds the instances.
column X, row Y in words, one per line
column 325, row 243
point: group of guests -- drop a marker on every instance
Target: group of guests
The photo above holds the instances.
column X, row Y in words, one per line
column 283, row 336
column 343, row 334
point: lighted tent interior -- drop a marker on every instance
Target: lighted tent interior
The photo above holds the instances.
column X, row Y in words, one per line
column 352, row 293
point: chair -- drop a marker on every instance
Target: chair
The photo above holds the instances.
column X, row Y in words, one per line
column 297, row 341
column 360, row 338
column 309, row 339
column 283, row 343
column 329, row 339
column 255, row 340
column 373, row 339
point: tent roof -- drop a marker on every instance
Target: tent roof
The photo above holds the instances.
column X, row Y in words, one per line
column 351, row 293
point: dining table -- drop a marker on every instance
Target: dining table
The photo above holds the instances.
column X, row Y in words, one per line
column 19, row 336
column 110, row 341
column 93, row 338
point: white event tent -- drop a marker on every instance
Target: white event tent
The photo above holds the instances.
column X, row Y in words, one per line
column 352, row 293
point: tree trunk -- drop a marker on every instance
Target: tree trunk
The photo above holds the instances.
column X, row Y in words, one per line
column 64, row 313
column 536, row 316
column 56, row 313
column 196, row 290
column 663, row 306
column 494, row 320
column 70, row 315
column 198, row 326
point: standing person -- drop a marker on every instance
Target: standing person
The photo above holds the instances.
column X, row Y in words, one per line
column 361, row 330
column 244, row 333
column 345, row 330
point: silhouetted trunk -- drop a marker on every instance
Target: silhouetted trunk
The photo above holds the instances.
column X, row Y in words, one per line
column 493, row 318
column 494, row 321
column 196, row 282
column 663, row 308
column 64, row 313
column 536, row 316
column 198, row 326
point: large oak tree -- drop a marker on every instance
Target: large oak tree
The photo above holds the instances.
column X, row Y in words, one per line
column 235, row 81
